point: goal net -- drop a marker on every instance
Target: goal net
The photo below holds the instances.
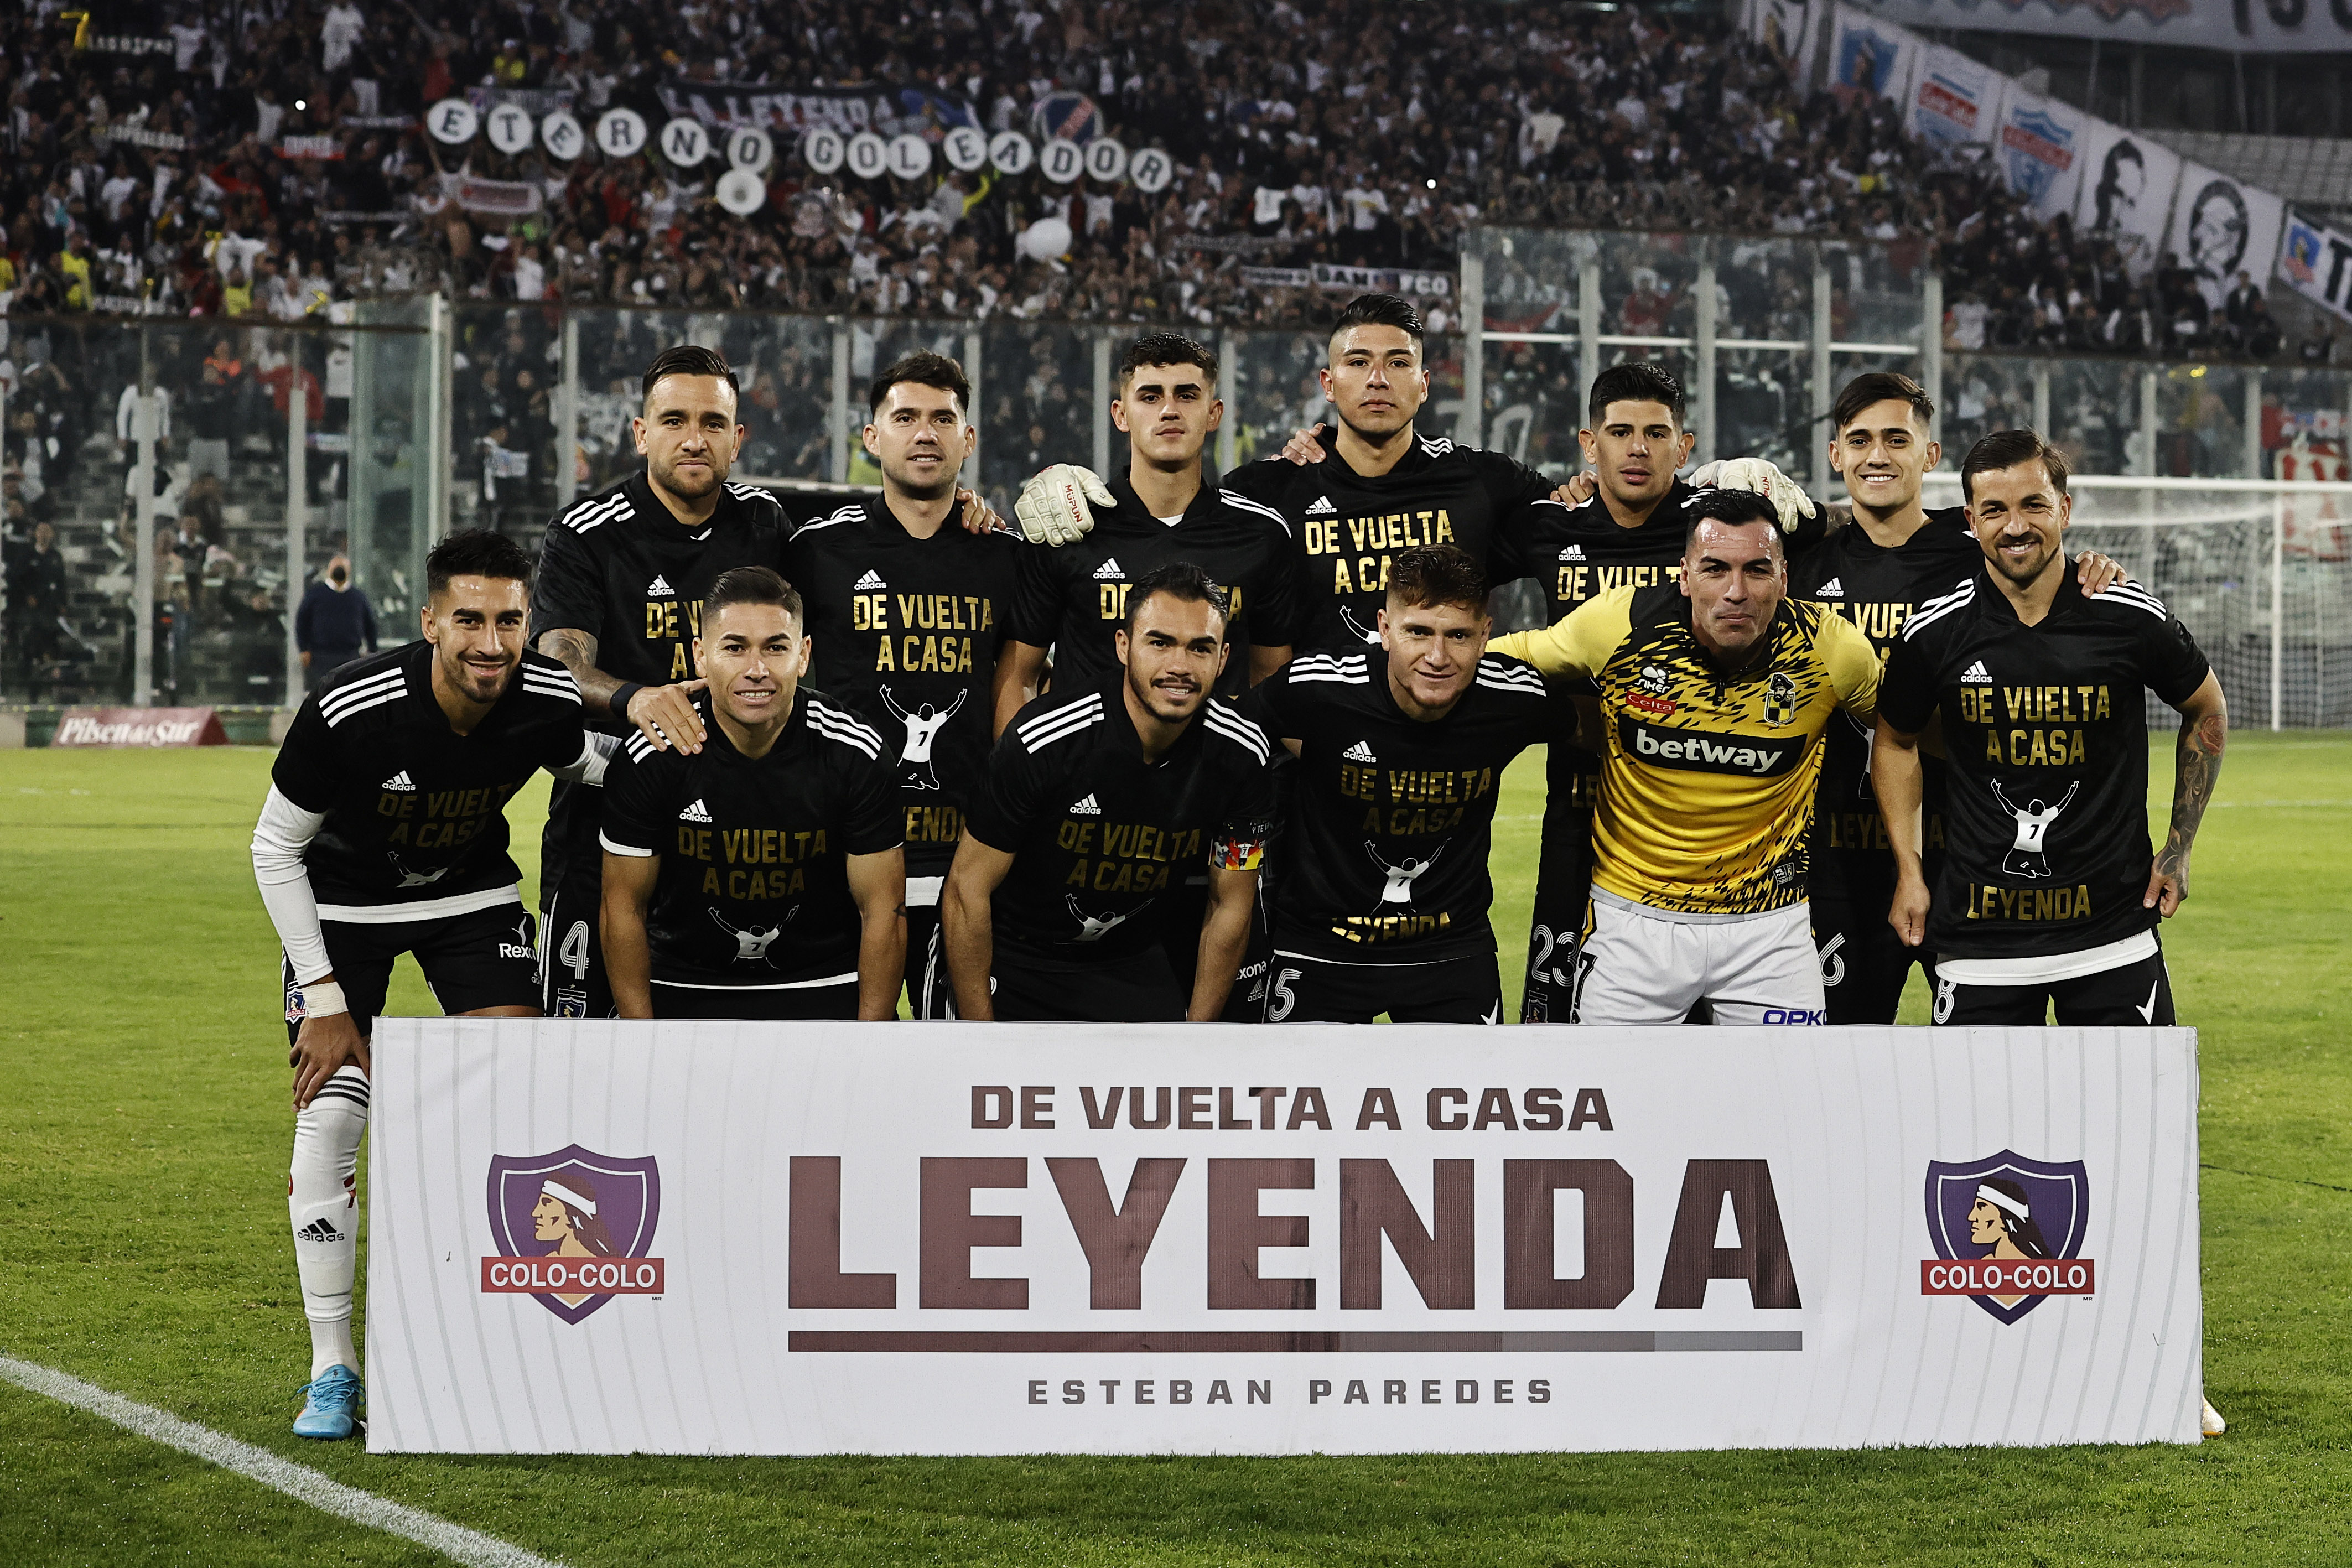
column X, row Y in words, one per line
column 2257, row 569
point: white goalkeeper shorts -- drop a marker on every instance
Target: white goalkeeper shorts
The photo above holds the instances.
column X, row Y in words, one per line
column 1639, row 965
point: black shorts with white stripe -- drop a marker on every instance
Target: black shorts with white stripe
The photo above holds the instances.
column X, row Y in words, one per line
column 486, row 959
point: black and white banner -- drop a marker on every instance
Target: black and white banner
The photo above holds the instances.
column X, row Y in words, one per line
column 2238, row 27
column 968, row 1238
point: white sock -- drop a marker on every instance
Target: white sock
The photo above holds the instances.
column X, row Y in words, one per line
column 322, row 1201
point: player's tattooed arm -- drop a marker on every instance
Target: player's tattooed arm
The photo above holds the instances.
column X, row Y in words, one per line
column 879, row 884
column 1900, row 781
column 2197, row 766
column 662, row 714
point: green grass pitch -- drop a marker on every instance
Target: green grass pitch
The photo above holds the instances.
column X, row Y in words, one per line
column 143, row 1135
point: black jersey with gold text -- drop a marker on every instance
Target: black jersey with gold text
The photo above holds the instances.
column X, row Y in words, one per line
column 905, row 632
column 753, row 888
column 1347, row 528
column 1876, row 590
column 416, row 823
column 1102, row 840
column 2046, row 734
column 1073, row 597
column 1392, row 817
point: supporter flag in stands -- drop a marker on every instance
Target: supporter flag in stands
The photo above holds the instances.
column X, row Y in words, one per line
column 1871, row 57
column 1071, row 116
column 2041, row 150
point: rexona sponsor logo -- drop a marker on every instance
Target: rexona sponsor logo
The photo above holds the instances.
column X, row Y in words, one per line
column 1751, row 756
column 572, row 1230
column 2008, row 1232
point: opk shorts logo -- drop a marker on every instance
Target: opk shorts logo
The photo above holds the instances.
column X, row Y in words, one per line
column 2008, row 1232
column 572, row 1228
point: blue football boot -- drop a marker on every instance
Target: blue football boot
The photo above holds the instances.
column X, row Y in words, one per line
column 332, row 1409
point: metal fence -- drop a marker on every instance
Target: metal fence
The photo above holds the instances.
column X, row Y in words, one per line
column 196, row 499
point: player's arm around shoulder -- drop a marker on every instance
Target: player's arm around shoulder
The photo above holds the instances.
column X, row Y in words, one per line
column 1581, row 641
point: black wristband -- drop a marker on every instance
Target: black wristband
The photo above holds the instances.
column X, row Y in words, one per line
column 619, row 705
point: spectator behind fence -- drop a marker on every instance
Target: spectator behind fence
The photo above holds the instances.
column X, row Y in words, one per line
column 335, row 623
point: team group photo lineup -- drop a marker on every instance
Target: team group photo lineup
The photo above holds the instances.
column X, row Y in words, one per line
column 1171, row 744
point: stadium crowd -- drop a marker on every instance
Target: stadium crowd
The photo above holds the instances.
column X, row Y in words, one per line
column 270, row 166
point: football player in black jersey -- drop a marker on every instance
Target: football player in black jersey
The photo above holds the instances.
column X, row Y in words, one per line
column 1100, row 799
column 1401, row 755
column 908, row 612
column 1383, row 488
column 760, row 876
column 384, row 832
column 622, row 575
column 1895, row 555
column 2049, row 895
column 1073, row 599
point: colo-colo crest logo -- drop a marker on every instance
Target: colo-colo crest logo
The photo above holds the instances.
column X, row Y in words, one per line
column 572, row 1230
column 2008, row 1232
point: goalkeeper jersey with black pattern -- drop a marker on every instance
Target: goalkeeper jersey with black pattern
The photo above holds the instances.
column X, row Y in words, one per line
column 1708, row 779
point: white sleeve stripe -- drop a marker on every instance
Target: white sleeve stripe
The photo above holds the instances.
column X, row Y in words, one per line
column 2125, row 594
column 1091, row 708
column 335, row 719
column 631, row 850
column 639, row 748
column 819, row 712
column 1333, row 679
column 589, row 513
column 1244, row 503
column 372, row 686
column 1037, row 736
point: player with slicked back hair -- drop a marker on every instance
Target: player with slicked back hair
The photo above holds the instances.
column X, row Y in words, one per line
column 384, row 832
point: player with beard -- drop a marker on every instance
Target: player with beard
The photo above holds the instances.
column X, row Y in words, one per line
column 1401, row 758
column 384, row 832
column 1099, row 800
column 1074, row 599
column 760, row 875
column 1714, row 692
column 622, row 575
column 908, row 614
column 2049, row 894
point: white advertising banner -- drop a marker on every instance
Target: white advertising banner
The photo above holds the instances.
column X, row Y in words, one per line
column 1952, row 99
column 1790, row 29
column 2126, row 193
column 982, row 1238
column 2221, row 228
column 2040, row 148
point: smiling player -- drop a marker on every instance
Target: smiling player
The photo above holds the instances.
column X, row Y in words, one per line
column 760, row 877
column 384, row 832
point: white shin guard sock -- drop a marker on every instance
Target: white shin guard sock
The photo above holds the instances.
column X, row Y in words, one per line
column 323, row 1200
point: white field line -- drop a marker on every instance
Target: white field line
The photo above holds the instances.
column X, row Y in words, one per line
column 298, row 1481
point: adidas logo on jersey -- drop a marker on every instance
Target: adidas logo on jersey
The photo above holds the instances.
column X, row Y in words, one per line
column 318, row 1230
column 1833, row 589
column 401, row 781
column 1322, row 508
column 1087, row 808
column 1975, row 675
column 1108, row 572
column 697, row 812
column 1574, row 552
column 869, row 583
column 1360, row 753
column 659, row 588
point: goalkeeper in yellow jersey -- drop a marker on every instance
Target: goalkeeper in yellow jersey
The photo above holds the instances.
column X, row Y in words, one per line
column 1713, row 693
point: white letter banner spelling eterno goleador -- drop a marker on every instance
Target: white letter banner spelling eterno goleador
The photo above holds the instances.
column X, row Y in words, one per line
column 997, row 1238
